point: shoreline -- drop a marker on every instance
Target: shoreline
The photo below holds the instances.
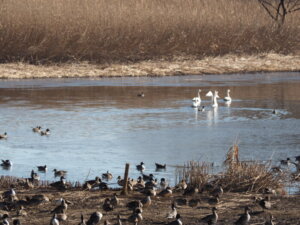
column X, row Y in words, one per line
column 228, row 64
column 285, row 208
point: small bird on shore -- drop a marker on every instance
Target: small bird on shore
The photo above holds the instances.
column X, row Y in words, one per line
column 95, row 218
column 245, row 218
column 173, row 213
column 177, row 221
column 62, row 208
column 54, row 220
column 45, row 133
column 194, row 202
column 59, row 173
column 166, row 192
column 16, row 222
column 3, row 136
column 146, row 202
column 42, row 168
column 37, row 129
column 107, row 206
column 163, row 183
column 115, row 200
column 136, row 217
column 265, row 203
column 141, row 94
column 141, row 167
column 211, row 219
column 60, row 185
column 217, row 191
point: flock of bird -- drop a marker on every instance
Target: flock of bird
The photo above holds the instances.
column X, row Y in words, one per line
column 214, row 99
column 145, row 184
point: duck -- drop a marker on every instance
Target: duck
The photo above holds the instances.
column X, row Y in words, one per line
column 197, row 100
column 146, row 202
column 227, row 98
column 214, row 97
column 62, row 208
column 6, row 163
column 181, row 201
column 265, row 203
column 211, row 219
column 45, row 133
column 37, row 129
column 92, row 183
column 107, row 206
column 34, row 176
column 214, row 200
column 59, row 173
column 61, row 184
column 54, row 220
column 202, row 109
column 141, row 167
column 11, row 193
column 42, row 168
column 136, row 217
column 115, row 200
column 286, row 162
column 160, row 166
column 269, row 221
column 16, row 222
column 217, row 191
column 177, row 221
column 141, row 95
column 190, row 190
column 107, row 175
column 245, row 218
column 148, row 177
column 95, row 218
column 163, row 183
column 166, row 192
column 82, row 221
column 173, row 213
column 182, row 185
column 3, row 136
column 194, row 202
column 134, row 204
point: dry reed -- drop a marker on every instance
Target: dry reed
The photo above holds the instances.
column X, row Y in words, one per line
column 40, row 31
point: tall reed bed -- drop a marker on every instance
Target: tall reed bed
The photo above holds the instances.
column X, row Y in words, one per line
column 116, row 30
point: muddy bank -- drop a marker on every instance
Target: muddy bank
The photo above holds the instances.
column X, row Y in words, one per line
column 285, row 209
column 178, row 66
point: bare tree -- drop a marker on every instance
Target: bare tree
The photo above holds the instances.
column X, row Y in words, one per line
column 278, row 9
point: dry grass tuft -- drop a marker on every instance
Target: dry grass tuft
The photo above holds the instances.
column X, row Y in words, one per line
column 40, row 31
column 196, row 174
column 237, row 176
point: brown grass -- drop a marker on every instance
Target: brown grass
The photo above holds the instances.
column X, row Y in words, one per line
column 40, row 31
column 237, row 176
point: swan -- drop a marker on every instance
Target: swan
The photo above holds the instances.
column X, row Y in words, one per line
column 197, row 100
column 214, row 97
column 227, row 98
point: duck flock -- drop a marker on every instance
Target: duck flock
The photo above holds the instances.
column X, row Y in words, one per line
column 145, row 184
column 148, row 185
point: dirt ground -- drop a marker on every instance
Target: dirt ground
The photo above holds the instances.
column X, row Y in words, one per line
column 285, row 209
column 178, row 66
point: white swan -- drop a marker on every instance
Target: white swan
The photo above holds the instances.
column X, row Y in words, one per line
column 214, row 97
column 227, row 98
column 197, row 100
